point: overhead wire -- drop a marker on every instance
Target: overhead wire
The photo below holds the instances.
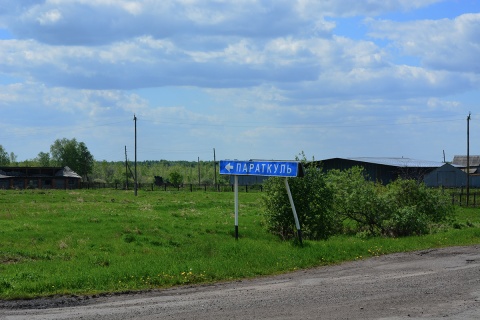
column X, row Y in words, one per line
column 306, row 126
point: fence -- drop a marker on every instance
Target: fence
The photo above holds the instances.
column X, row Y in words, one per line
column 168, row 187
column 460, row 197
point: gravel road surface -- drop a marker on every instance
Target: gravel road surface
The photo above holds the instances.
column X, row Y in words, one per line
column 431, row 284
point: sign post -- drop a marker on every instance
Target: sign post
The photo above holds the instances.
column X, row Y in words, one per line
column 263, row 168
column 295, row 216
column 236, row 206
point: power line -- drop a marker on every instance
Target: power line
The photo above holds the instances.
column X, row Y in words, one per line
column 300, row 126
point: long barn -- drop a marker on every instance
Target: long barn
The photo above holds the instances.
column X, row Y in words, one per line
column 38, row 178
column 383, row 169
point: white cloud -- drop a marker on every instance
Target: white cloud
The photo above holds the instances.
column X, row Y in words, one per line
column 50, row 17
column 85, row 22
column 270, row 77
column 447, row 44
column 348, row 8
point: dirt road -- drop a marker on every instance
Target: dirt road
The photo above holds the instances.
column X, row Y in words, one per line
column 431, row 284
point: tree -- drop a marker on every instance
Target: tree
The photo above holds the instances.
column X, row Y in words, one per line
column 13, row 158
column 4, row 157
column 43, row 159
column 175, row 178
column 75, row 155
column 86, row 160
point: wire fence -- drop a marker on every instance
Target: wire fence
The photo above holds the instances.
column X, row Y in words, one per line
column 191, row 187
column 459, row 196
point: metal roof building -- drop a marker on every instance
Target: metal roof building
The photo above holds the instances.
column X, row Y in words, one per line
column 383, row 169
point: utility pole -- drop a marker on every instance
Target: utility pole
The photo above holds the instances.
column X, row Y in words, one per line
column 136, row 181
column 126, row 169
column 468, row 158
column 198, row 162
column 215, row 169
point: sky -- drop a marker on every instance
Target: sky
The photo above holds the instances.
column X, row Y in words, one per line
column 250, row 79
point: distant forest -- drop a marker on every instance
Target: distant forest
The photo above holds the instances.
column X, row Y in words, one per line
column 191, row 172
column 70, row 152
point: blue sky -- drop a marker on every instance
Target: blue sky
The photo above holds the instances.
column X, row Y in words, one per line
column 252, row 79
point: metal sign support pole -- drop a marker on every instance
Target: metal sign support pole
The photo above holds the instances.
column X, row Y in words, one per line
column 297, row 223
column 236, row 206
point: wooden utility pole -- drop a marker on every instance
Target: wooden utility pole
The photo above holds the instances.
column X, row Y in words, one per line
column 468, row 158
column 198, row 161
column 215, row 169
column 126, row 169
column 136, row 181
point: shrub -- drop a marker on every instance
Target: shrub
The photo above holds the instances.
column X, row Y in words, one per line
column 415, row 207
column 358, row 199
column 402, row 208
column 313, row 201
column 406, row 221
column 175, row 178
column 326, row 201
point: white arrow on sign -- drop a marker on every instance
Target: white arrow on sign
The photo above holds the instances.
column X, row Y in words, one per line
column 228, row 167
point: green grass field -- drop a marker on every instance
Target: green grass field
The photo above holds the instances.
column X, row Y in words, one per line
column 93, row 241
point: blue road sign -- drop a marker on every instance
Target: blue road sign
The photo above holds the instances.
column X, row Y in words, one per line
column 261, row 168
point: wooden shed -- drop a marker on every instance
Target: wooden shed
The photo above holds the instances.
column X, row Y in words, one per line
column 473, row 161
column 451, row 176
column 447, row 176
column 38, row 178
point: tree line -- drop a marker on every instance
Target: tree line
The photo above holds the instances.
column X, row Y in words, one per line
column 75, row 154
column 63, row 152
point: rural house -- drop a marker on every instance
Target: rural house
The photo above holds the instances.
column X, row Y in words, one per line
column 461, row 162
column 38, row 178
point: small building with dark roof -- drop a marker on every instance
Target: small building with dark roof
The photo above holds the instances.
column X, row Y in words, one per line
column 39, row 178
column 451, row 176
column 448, row 176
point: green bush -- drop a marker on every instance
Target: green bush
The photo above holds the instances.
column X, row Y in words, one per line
column 347, row 198
column 175, row 178
column 406, row 221
column 313, row 201
column 402, row 208
column 415, row 208
column 359, row 200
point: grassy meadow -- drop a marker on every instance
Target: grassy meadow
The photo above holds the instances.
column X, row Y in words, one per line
column 82, row 242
